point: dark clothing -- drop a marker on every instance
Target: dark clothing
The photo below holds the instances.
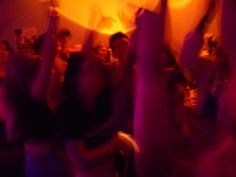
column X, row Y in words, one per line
column 93, row 127
column 34, row 120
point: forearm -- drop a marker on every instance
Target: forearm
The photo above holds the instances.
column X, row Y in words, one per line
column 207, row 17
column 40, row 84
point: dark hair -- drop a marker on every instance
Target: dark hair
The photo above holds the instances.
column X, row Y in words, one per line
column 116, row 36
column 74, row 121
column 73, row 71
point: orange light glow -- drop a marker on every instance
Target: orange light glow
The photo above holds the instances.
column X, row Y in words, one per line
column 109, row 16
column 178, row 3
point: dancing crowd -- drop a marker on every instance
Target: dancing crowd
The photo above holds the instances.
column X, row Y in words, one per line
column 125, row 107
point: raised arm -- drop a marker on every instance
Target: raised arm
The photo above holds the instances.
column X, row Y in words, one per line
column 153, row 128
column 149, row 39
column 208, row 16
column 219, row 161
column 192, row 46
column 88, row 42
column 193, row 41
column 40, row 84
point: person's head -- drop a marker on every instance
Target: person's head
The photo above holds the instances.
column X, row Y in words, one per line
column 84, row 76
column 101, row 52
column 119, row 44
column 91, row 79
column 63, row 35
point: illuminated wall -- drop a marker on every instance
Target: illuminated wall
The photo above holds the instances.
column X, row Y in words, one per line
column 109, row 16
column 185, row 18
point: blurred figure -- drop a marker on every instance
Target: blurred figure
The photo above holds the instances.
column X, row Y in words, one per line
column 25, row 111
column 91, row 142
column 154, row 128
column 220, row 160
column 122, row 72
column 5, row 52
column 63, row 37
column 199, row 71
column 11, row 153
column 102, row 53
column 59, row 66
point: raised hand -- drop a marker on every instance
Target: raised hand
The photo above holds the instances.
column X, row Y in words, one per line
column 40, row 84
column 153, row 128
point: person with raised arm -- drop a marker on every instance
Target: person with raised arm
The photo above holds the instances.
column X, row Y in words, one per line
column 90, row 141
column 154, row 129
column 199, row 71
column 25, row 111
column 220, row 160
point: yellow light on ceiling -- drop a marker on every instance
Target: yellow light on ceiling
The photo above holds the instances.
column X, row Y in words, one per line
column 109, row 16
